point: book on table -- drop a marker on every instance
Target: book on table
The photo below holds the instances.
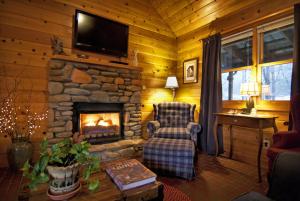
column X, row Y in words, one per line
column 129, row 174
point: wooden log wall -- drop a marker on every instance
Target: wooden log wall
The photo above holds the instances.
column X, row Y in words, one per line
column 189, row 45
column 26, row 28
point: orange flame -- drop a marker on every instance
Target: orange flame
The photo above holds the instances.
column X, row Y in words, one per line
column 101, row 119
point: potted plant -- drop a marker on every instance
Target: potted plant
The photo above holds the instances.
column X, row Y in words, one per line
column 60, row 165
column 18, row 122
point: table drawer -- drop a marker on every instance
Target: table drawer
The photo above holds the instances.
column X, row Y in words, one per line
column 239, row 121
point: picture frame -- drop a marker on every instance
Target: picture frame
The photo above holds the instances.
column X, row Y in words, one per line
column 190, row 71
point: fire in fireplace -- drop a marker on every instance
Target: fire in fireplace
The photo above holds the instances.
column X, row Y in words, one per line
column 98, row 122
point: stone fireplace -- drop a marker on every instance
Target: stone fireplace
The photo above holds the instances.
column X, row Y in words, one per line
column 99, row 122
column 101, row 102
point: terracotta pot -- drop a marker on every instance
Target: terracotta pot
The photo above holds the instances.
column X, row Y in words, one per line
column 18, row 153
column 63, row 179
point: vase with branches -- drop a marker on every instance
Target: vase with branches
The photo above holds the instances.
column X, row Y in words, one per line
column 19, row 122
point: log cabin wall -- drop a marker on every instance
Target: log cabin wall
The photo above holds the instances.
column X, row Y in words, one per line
column 164, row 37
column 26, row 28
column 192, row 21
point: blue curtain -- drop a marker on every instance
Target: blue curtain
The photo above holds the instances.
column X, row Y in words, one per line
column 295, row 87
column 211, row 93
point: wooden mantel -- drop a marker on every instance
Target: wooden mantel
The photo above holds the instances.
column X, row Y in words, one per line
column 94, row 60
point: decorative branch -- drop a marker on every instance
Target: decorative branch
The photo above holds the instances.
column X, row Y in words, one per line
column 16, row 122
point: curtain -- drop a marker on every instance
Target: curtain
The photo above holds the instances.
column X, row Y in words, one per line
column 295, row 88
column 211, row 93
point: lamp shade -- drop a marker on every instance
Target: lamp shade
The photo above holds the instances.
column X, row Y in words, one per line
column 249, row 89
column 171, row 82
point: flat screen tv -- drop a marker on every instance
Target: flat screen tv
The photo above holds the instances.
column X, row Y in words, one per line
column 98, row 34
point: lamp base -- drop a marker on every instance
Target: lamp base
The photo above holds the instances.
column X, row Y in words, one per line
column 250, row 103
column 249, row 106
column 246, row 111
column 173, row 94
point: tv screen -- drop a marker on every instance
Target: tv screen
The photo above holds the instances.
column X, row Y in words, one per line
column 97, row 34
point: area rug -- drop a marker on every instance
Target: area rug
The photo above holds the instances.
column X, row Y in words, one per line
column 173, row 194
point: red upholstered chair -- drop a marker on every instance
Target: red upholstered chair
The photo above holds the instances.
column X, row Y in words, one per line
column 287, row 140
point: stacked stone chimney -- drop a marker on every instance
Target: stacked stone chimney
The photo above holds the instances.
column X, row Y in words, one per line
column 71, row 82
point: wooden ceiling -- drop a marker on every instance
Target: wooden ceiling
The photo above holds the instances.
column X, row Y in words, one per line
column 184, row 16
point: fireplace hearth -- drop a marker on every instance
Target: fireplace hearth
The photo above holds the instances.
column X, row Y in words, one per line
column 99, row 122
column 101, row 102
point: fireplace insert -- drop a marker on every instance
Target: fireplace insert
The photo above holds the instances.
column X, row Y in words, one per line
column 99, row 122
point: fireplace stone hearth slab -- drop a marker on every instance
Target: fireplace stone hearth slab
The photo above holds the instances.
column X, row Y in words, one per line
column 116, row 150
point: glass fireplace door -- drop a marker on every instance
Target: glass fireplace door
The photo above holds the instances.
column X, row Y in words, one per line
column 100, row 125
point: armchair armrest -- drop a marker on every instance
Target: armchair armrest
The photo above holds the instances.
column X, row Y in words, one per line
column 286, row 139
column 194, row 128
column 152, row 126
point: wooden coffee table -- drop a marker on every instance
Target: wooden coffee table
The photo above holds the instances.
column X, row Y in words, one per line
column 108, row 191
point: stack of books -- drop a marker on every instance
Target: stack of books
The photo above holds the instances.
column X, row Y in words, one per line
column 130, row 174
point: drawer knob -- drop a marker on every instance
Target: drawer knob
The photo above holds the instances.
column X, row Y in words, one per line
column 235, row 120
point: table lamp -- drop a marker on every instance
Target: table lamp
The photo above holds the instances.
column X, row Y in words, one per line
column 249, row 89
column 266, row 91
column 172, row 84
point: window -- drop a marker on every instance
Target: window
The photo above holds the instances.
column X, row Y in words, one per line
column 276, row 82
column 231, row 83
column 276, row 43
column 236, row 54
column 272, row 67
column 236, row 61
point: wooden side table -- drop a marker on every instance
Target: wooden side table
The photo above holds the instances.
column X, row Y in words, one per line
column 108, row 191
column 259, row 122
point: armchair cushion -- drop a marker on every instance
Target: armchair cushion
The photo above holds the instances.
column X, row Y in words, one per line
column 174, row 114
column 173, row 133
column 174, row 120
column 152, row 127
column 287, row 139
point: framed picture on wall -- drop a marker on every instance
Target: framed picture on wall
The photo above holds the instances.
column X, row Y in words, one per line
column 190, row 71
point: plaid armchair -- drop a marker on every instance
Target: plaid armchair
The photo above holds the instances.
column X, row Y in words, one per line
column 174, row 120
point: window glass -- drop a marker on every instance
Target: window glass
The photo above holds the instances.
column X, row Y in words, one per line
column 236, row 54
column 276, row 82
column 278, row 44
column 231, row 84
column 275, row 44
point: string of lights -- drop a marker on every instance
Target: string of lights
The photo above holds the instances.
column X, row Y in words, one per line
column 19, row 123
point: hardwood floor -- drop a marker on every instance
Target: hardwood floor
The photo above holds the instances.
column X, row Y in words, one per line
column 9, row 184
column 217, row 179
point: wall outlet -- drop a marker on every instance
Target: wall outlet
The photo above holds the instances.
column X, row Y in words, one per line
column 266, row 143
